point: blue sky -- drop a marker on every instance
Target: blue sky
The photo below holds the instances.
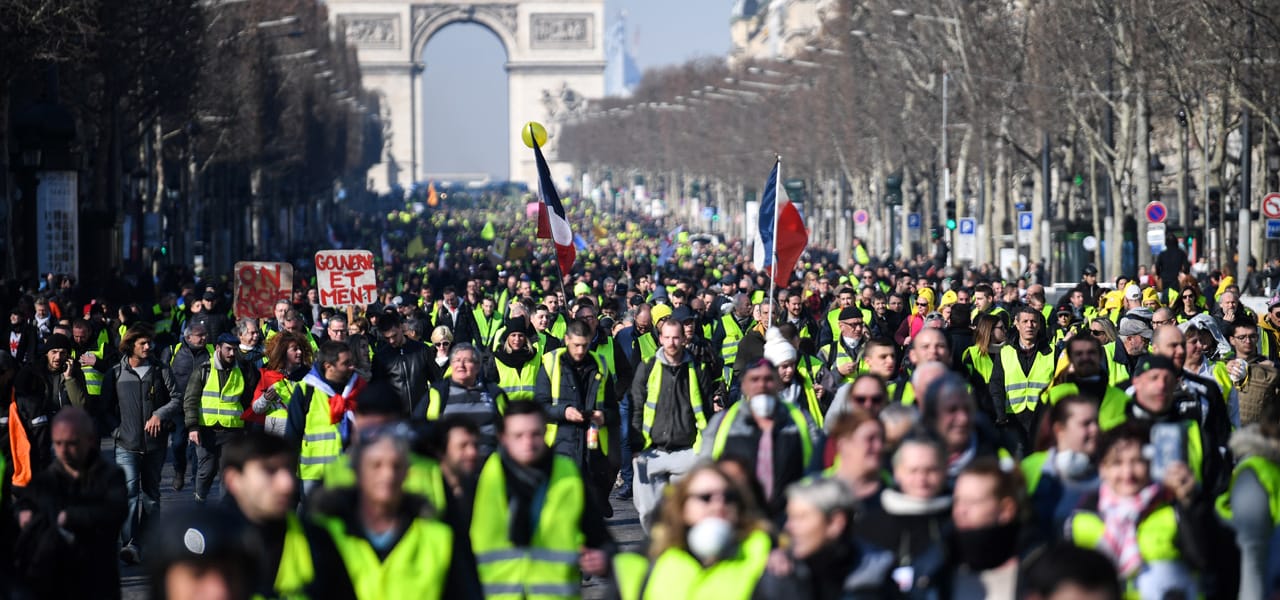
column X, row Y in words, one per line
column 466, row 88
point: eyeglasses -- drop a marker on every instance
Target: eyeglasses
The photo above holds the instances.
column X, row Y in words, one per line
column 1248, row 337
column 724, row 496
column 1155, row 324
column 866, row 400
column 851, row 323
column 1098, row 332
column 1188, row 296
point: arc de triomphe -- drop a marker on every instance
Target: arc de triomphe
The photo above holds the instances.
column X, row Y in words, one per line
column 555, row 62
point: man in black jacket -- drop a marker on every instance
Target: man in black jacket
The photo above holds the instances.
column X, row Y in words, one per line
column 51, row 383
column 189, row 356
column 143, row 398
column 70, row 517
column 402, row 362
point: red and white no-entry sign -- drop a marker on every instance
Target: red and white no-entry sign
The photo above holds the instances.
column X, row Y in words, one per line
column 1271, row 206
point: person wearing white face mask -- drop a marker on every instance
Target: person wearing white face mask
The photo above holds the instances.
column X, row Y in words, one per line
column 774, row 439
column 1058, row 477
column 709, row 542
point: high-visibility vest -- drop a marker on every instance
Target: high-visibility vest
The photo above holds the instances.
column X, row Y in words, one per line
column 1022, row 391
column 842, row 357
column 1268, row 475
column 651, row 400
column 417, row 567
column 629, row 571
column 94, row 376
column 424, row 478
column 486, row 326
column 1032, row 469
column 731, row 416
column 1116, row 372
column 547, row 569
column 1057, row 392
column 677, row 575
column 1157, row 535
column 297, row 568
column 979, row 363
column 435, row 404
column 733, row 335
column 604, row 352
column 518, row 383
column 648, row 345
column 901, row 392
column 220, row 406
column 551, row 364
column 278, row 417
column 558, row 326
column 1113, row 414
column 810, row 398
column 321, row 442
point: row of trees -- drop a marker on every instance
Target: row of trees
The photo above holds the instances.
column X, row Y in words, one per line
column 1110, row 92
column 196, row 112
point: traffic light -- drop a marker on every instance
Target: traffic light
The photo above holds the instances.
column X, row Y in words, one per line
column 893, row 189
column 951, row 214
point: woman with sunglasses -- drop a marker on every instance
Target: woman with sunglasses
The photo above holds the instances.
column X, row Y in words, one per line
column 1189, row 303
column 441, row 342
column 915, row 322
column 709, row 542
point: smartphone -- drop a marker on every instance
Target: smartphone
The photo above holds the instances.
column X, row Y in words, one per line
column 1169, row 445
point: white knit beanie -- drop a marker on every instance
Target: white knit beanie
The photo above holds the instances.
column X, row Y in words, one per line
column 776, row 348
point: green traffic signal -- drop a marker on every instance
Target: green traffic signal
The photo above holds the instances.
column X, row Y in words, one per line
column 951, row 224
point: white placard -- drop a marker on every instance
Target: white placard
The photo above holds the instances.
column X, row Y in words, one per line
column 346, row 278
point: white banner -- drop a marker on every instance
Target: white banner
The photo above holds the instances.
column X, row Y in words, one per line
column 57, row 223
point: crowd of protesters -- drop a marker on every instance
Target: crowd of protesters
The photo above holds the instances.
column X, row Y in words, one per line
column 872, row 430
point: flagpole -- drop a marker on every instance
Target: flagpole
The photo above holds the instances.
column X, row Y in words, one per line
column 773, row 263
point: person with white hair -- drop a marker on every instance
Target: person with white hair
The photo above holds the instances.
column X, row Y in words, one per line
column 827, row 557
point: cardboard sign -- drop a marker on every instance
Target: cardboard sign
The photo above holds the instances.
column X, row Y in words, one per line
column 346, row 278
column 259, row 285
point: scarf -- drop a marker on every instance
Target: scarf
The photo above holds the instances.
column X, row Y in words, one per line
column 1120, row 517
column 341, row 405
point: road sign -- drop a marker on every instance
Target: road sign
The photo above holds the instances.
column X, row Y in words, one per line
column 1026, row 224
column 913, row 220
column 860, row 216
column 1156, row 212
column 1155, row 237
column 1271, row 206
column 967, row 240
column 1273, row 229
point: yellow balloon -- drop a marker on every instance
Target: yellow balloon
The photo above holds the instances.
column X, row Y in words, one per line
column 532, row 131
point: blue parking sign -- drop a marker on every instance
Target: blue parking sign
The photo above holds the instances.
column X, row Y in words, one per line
column 1025, row 222
column 913, row 221
column 1273, row 229
column 968, row 227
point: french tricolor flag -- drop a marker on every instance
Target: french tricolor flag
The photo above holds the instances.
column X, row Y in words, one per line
column 552, row 223
column 781, row 237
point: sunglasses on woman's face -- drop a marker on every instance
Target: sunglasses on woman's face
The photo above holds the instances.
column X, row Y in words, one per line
column 866, row 400
column 725, row 496
column 1098, row 332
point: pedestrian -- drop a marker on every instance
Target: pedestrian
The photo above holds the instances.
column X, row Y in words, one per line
column 318, row 407
column 191, row 355
column 288, row 360
column 41, row 389
column 70, row 516
column 213, row 403
column 402, row 362
column 143, row 398
column 464, row 394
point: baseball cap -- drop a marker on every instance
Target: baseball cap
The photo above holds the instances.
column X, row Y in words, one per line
column 1150, row 362
column 1130, row 327
column 227, row 338
column 1132, row 292
column 1089, row 270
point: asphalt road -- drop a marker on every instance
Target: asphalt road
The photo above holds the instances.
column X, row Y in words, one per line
column 625, row 526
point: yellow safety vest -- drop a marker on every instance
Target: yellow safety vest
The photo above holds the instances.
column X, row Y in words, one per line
column 979, row 362
column 1022, row 392
column 810, row 398
column 321, row 442
column 417, row 567
column 221, row 406
column 518, row 383
column 1268, row 474
column 547, row 569
column 435, row 405
column 486, row 326
column 297, row 569
column 1157, row 539
column 677, row 575
column 279, row 416
column 651, row 400
column 551, row 364
column 629, row 571
column 731, row 415
column 424, row 478
column 94, row 376
column 733, row 335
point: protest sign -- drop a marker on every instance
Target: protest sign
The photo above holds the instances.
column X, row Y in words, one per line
column 258, row 285
column 346, row 278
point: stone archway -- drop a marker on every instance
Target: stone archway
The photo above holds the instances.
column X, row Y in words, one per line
column 555, row 61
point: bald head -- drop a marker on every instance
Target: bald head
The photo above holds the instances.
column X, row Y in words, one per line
column 926, row 374
column 930, row 345
column 74, row 439
column 1169, row 341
